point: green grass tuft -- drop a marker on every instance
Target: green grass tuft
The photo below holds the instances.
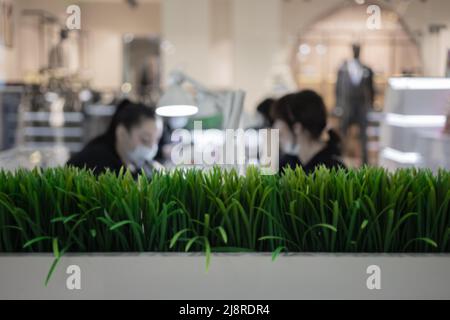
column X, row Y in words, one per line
column 367, row 210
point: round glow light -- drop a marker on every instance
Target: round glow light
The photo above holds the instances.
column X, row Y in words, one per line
column 126, row 87
column 304, row 49
column 176, row 111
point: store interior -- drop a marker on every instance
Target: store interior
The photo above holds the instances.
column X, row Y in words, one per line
column 224, row 149
column 63, row 71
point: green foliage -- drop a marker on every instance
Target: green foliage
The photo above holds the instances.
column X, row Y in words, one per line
column 366, row 210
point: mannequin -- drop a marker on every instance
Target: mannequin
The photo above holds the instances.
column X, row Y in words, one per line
column 355, row 96
column 57, row 58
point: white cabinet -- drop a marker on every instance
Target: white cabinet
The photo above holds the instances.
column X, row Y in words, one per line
column 415, row 116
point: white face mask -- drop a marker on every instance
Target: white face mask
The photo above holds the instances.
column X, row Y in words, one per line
column 142, row 155
column 290, row 148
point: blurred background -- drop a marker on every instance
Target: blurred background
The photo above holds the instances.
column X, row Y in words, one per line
column 59, row 87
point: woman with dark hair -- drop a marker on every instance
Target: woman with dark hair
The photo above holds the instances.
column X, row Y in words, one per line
column 283, row 122
column 131, row 141
column 264, row 109
column 302, row 120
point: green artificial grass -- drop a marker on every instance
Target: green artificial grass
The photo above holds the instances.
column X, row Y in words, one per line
column 366, row 210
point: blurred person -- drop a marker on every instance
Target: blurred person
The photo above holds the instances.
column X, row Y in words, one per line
column 264, row 109
column 63, row 56
column 283, row 122
column 148, row 81
column 304, row 140
column 57, row 56
column 355, row 94
column 131, row 141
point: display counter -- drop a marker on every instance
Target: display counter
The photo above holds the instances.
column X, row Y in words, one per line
column 414, row 117
column 434, row 149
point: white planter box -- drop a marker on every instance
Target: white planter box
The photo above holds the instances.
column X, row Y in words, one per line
column 231, row 276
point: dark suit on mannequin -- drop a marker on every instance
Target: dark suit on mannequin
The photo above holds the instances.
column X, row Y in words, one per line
column 355, row 96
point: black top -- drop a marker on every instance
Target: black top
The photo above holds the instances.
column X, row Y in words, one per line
column 327, row 157
column 99, row 154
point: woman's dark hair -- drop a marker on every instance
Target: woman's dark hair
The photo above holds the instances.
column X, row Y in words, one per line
column 307, row 108
column 129, row 114
column 280, row 110
column 264, row 108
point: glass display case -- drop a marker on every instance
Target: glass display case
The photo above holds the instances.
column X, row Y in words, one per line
column 414, row 121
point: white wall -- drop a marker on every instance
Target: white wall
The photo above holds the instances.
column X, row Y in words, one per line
column 221, row 71
column 256, row 40
column 8, row 64
column 9, row 61
column 222, row 43
column 104, row 24
column 434, row 47
column 262, row 35
column 186, row 25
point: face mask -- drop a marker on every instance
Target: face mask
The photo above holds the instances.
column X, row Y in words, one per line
column 142, row 155
column 290, row 148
